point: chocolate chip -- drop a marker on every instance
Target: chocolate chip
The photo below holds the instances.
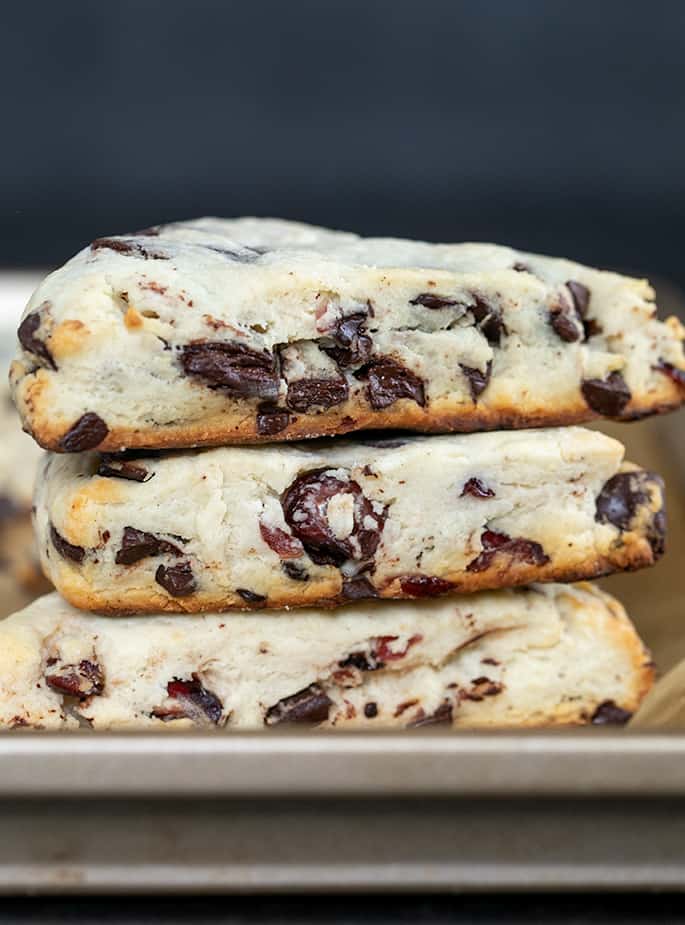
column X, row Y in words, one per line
column 673, row 372
column 358, row 589
column 476, row 489
column 282, row 543
column 441, row 716
column 310, row 705
column 243, row 254
column 481, row 688
column 620, row 500
column 82, row 681
column 488, row 319
column 305, row 506
column 566, row 325
column 362, row 661
column 608, row 713
column 87, row 433
column 129, row 246
column 430, row 300
column 370, row 710
column 580, row 295
column 389, row 381
column 353, row 344
column 519, row 549
column 115, row 467
column 178, row 580
column 295, row 571
column 234, row 367
column 591, row 327
column 28, row 337
column 305, row 394
column 271, row 419
column 66, row 549
column 606, row 396
column 194, row 697
column 251, row 597
column 424, row 585
column 137, row 545
column 521, row 267
column 478, row 381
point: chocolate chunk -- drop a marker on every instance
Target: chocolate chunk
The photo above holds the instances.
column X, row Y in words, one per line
column 251, row 597
column 295, row 571
column 282, row 543
column 353, row 344
column 370, row 710
column 430, row 300
column 114, row 466
column 566, row 323
column 305, row 506
column 305, row 394
column 137, row 545
column 130, row 246
column 87, row 433
column 29, row 339
column 606, row 396
column 362, row 661
column 178, row 580
column 476, row 489
column 234, row 367
column 608, row 713
column 389, row 381
column 66, row 549
column 620, row 500
column 194, row 697
column 488, row 319
column 82, row 681
column 673, row 372
column 591, row 327
column 478, row 381
column 441, row 716
column 521, row 267
column 424, row 585
column 519, row 549
column 358, row 589
column 481, row 688
column 271, row 419
column 310, row 705
column 580, row 295
column 243, row 254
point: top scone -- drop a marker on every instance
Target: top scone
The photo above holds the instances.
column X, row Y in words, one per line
column 229, row 331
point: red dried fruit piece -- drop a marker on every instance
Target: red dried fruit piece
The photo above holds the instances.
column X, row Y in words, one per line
column 28, row 338
column 310, row 705
column 305, row 506
column 282, row 543
column 383, row 652
column 478, row 381
column 424, row 585
column 606, row 396
column 305, row 394
column 389, row 381
column 66, row 549
column 494, row 543
column 431, row 300
column 481, row 688
column 87, row 433
column 620, row 500
column 234, row 367
column 353, row 344
column 488, row 319
column 137, row 545
column 673, row 372
column 195, row 699
column 271, row 419
column 178, row 580
column 608, row 713
column 83, row 680
column 476, row 489
column 441, row 716
column 129, row 246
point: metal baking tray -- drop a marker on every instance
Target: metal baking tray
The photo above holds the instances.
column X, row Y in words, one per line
column 294, row 811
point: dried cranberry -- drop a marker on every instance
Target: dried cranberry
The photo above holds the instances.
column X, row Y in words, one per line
column 608, row 713
column 606, row 396
column 389, row 381
column 234, row 367
column 178, row 580
column 520, row 549
column 310, row 705
column 383, row 652
column 441, row 716
column 430, row 300
column 29, row 339
column 476, row 489
column 83, row 680
column 305, row 394
column 673, row 372
column 282, row 543
column 194, row 697
column 488, row 319
column 137, row 545
column 424, row 585
column 305, row 506
column 66, row 549
column 271, row 419
column 478, row 381
column 87, row 433
column 481, row 688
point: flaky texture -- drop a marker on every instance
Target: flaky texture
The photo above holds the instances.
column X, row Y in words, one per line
column 227, row 331
column 544, row 656
column 323, row 522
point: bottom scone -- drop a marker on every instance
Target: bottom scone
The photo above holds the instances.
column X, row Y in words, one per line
column 552, row 654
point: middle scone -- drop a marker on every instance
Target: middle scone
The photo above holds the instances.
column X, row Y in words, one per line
column 330, row 521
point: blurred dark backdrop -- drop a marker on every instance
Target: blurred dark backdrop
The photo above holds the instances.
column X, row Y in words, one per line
column 554, row 125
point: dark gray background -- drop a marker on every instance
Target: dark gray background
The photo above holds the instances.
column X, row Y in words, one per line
column 555, row 125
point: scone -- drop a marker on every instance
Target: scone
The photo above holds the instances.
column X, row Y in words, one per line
column 21, row 578
column 227, row 331
column 323, row 522
column 543, row 656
